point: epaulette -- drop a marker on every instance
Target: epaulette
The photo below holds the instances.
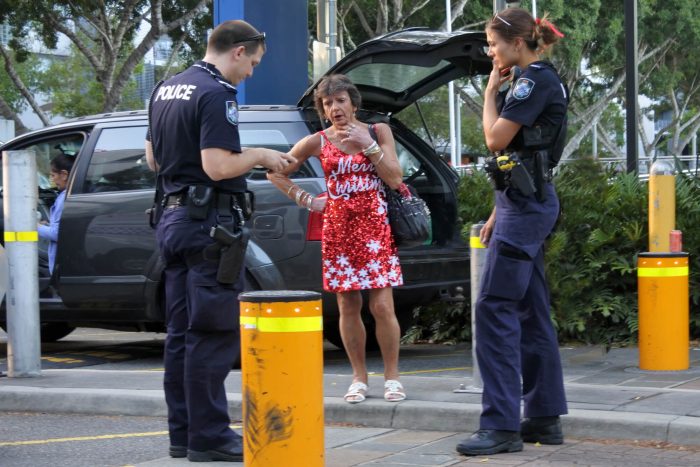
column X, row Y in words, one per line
column 227, row 85
column 218, row 79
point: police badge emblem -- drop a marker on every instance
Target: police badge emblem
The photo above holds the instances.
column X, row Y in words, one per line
column 523, row 88
column 232, row 112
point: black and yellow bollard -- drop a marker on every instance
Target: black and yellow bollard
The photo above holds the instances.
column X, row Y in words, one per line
column 664, row 330
column 282, row 370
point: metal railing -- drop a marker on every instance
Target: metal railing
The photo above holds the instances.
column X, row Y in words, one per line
column 688, row 164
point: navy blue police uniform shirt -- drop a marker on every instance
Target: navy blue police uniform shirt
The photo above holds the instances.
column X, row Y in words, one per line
column 194, row 110
column 537, row 97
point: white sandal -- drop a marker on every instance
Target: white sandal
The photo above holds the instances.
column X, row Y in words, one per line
column 394, row 391
column 356, row 393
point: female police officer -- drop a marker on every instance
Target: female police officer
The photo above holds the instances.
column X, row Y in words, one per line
column 194, row 144
column 515, row 336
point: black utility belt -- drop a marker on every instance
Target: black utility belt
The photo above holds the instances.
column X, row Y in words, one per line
column 528, row 161
column 201, row 198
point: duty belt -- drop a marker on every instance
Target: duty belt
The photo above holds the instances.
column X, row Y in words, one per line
column 229, row 200
column 529, row 163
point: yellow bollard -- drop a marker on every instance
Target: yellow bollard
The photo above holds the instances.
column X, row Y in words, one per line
column 662, row 205
column 664, row 329
column 282, row 370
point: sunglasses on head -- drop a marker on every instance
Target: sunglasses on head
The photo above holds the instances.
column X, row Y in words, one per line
column 258, row 37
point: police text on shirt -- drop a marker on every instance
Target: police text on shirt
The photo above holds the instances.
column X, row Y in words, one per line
column 180, row 91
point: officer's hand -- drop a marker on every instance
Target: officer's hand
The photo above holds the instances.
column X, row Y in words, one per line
column 497, row 78
column 277, row 161
column 487, row 230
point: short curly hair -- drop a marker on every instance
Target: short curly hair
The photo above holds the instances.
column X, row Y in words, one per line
column 333, row 84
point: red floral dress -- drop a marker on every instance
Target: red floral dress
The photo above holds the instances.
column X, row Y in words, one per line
column 358, row 249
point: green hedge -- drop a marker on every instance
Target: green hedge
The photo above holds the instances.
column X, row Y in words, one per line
column 591, row 256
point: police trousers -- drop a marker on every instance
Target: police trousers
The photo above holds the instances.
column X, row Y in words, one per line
column 516, row 344
column 203, row 339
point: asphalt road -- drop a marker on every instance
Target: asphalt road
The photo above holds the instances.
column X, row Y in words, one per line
column 57, row 440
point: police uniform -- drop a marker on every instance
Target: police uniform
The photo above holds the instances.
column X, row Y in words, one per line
column 195, row 110
column 515, row 336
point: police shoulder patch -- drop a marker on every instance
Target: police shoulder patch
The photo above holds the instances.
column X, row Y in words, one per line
column 523, row 88
column 232, row 112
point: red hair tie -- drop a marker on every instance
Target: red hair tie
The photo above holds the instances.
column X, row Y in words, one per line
column 550, row 25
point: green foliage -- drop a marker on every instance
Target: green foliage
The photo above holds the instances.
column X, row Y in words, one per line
column 475, row 200
column 76, row 91
column 590, row 257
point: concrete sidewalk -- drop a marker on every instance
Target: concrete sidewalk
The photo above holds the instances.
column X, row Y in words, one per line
column 609, row 398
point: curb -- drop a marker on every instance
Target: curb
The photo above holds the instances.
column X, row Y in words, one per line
column 409, row 414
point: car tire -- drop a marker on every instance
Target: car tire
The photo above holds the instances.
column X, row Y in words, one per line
column 50, row 332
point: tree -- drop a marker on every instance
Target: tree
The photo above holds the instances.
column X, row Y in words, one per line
column 104, row 33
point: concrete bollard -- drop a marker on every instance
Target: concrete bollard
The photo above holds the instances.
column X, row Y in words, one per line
column 477, row 261
column 664, row 328
column 282, row 372
column 21, row 237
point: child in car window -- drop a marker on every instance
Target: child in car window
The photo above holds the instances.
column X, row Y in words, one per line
column 61, row 166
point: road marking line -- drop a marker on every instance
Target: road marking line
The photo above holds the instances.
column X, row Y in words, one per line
column 89, row 438
column 437, row 370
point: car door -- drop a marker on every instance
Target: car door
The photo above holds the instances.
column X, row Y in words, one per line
column 105, row 242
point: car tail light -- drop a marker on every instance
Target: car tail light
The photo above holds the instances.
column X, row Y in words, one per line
column 314, row 226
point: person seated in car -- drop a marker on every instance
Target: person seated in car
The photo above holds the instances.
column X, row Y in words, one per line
column 61, row 166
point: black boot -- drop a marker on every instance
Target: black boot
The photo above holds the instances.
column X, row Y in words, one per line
column 485, row 442
column 231, row 452
column 544, row 430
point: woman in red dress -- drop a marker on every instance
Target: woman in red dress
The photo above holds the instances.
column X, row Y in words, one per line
column 358, row 248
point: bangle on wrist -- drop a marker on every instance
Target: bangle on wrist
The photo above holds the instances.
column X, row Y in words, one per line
column 370, row 147
column 291, row 187
column 379, row 161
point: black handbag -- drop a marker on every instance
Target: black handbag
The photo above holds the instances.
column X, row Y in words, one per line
column 409, row 216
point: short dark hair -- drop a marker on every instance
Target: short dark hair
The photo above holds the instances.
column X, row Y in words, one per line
column 235, row 33
column 333, row 84
column 62, row 162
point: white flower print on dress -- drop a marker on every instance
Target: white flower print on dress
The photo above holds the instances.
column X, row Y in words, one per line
column 374, row 246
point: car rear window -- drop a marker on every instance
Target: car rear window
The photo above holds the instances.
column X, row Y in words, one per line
column 119, row 162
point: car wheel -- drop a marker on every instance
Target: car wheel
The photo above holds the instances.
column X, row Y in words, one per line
column 50, row 332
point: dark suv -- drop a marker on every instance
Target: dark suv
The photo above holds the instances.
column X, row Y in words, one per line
column 108, row 272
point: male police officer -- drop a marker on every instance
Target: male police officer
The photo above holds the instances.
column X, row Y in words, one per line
column 194, row 145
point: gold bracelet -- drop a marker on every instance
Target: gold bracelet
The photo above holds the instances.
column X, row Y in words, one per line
column 291, row 187
column 379, row 161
